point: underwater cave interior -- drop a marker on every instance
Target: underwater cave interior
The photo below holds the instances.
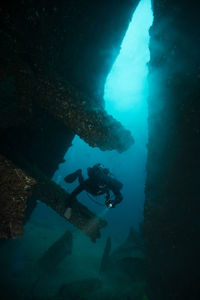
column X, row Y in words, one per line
column 39, row 263
column 125, row 96
column 72, row 97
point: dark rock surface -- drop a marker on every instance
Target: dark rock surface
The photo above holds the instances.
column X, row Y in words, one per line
column 79, row 40
column 57, row 198
column 172, row 203
column 43, row 141
column 71, row 42
column 15, row 187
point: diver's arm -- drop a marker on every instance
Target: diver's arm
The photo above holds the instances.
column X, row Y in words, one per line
column 118, row 199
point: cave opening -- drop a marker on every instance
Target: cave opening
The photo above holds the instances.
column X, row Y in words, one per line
column 125, row 97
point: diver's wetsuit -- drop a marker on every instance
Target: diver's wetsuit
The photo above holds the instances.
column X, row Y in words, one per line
column 98, row 183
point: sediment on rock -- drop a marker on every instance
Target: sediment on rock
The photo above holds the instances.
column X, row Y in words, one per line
column 15, row 187
column 70, row 107
column 74, row 109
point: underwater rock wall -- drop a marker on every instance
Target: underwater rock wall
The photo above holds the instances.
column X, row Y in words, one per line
column 79, row 40
column 171, row 215
column 44, row 44
column 53, row 54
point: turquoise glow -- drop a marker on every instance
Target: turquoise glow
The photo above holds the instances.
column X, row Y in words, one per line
column 126, row 83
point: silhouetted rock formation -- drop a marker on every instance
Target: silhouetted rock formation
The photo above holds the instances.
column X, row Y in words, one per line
column 172, row 191
column 77, row 40
column 44, row 46
column 70, row 107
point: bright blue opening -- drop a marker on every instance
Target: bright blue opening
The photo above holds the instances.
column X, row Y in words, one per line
column 126, row 92
column 126, row 83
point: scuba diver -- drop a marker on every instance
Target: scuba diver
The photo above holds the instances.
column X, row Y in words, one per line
column 99, row 182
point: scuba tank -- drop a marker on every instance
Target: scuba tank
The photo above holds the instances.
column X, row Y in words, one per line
column 103, row 175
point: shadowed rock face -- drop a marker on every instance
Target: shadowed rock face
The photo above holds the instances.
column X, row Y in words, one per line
column 172, row 190
column 37, row 42
column 79, row 40
column 78, row 43
column 31, row 91
column 54, row 60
